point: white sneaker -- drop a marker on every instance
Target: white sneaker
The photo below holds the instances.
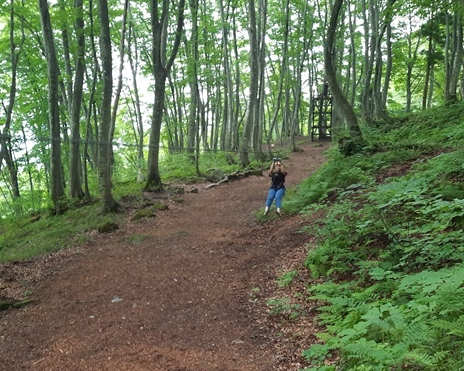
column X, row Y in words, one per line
column 278, row 212
column 266, row 210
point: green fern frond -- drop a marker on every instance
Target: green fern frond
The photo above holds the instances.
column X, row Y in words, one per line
column 420, row 359
column 455, row 328
column 369, row 352
column 417, row 333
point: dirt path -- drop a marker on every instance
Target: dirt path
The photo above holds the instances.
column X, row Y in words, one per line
column 169, row 293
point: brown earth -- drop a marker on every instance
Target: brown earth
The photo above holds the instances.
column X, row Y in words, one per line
column 188, row 290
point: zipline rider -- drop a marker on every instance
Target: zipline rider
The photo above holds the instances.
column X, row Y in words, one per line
column 277, row 190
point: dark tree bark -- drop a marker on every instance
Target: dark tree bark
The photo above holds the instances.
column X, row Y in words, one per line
column 258, row 125
column 5, row 137
column 67, row 84
column 429, row 67
column 56, row 172
column 133, row 61
column 192, row 55
column 337, row 93
column 228, row 117
column 254, row 79
column 122, row 48
column 454, row 55
column 161, row 69
column 379, row 112
column 75, row 183
column 109, row 204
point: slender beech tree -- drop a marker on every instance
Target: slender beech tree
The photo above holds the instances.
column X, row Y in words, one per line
column 330, row 72
column 94, row 78
column 5, row 136
column 192, row 73
column 122, row 48
column 370, row 30
column 379, row 110
column 412, row 51
column 253, row 89
column 351, row 79
column 453, row 50
column 286, row 116
column 228, row 117
column 161, row 68
column 66, row 55
column 258, row 123
column 429, row 30
column 105, row 139
column 301, row 51
column 176, row 133
column 388, row 68
column 277, row 106
column 133, row 55
column 238, row 115
column 304, row 45
column 75, row 181
column 56, row 174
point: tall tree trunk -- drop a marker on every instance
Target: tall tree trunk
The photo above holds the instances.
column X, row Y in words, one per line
column 455, row 58
column 192, row 73
column 379, row 107
column 260, row 92
column 228, row 112
column 370, row 31
column 177, row 133
column 217, row 119
column 431, row 81
column 5, row 136
column 388, row 67
column 75, row 185
column 428, row 69
column 236, row 123
column 161, row 69
column 277, row 106
column 92, row 83
column 56, row 172
column 254, row 78
column 133, row 62
column 122, row 49
column 67, row 84
column 303, row 47
column 372, row 101
column 411, row 60
column 337, row 93
column 109, row 204
column 273, row 127
column 353, row 57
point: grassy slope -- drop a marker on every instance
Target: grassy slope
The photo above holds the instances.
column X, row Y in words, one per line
column 391, row 248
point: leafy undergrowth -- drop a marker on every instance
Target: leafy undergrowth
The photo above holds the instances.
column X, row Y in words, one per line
column 386, row 270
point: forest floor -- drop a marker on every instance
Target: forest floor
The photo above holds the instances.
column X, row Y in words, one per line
column 187, row 290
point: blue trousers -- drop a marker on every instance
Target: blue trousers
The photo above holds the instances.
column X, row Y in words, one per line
column 276, row 194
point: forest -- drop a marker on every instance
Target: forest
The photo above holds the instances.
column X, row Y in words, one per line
column 101, row 95
column 100, row 92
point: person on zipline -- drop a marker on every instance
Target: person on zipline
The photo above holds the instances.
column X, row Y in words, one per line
column 277, row 189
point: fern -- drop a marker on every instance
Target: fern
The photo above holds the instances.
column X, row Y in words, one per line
column 382, row 334
column 376, row 355
column 322, row 368
column 317, row 353
column 394, row 252
column 427, row 361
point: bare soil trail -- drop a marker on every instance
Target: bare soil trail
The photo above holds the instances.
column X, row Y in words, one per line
column 170, row 293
